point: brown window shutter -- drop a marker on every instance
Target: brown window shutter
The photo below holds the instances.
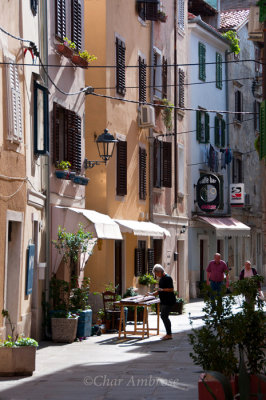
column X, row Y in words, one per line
column 164, row 78
column 139, row 262
column 121, row 169
column 73, row 140
column 60, row 18
column 142, row 174
column 120, row 67
column 76, row 31
column 157, row 164
column 167, row 164
column 152, row 8
column 150, row 260
column 181, row 92
column 56, row 132
column 142, row 80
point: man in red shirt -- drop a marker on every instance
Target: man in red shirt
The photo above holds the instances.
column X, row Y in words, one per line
column 215, row 273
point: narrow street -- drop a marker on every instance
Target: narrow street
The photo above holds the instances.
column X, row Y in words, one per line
column 103, row 367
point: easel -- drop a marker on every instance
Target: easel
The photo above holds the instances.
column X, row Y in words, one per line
column 138, row 301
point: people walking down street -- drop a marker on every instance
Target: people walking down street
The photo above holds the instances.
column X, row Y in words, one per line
column 167, row 297
column 248, row 271
column 215, row 274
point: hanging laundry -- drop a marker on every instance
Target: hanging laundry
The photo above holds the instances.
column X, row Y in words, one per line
column 223, row 163
column 228, row 156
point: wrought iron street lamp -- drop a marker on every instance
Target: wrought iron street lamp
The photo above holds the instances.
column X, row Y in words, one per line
column 105, row 144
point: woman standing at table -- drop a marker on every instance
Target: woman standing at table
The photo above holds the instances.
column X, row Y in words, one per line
column 167, row 297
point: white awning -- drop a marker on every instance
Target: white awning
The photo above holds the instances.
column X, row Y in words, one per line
column 102, row 226
column 226, row 226
column 140, row 228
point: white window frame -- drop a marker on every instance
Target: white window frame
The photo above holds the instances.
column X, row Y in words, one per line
column 158, row 90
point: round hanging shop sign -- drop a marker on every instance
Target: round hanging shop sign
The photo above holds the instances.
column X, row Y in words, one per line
column 208, row 192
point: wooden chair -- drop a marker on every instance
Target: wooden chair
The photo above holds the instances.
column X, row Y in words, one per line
column 111, row 311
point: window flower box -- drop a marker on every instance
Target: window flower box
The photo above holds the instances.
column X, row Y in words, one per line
column 79, row 61
column 81, row 180
column 64, row 50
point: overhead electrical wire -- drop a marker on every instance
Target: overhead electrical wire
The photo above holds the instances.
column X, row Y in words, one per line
column 87, row 90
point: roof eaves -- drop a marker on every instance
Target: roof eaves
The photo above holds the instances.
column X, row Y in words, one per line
column 209, row 28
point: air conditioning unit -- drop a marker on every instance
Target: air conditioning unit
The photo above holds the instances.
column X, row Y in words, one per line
column 146, row 116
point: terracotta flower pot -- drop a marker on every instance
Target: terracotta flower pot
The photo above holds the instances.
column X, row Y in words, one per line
column 64, row 50
column 77, row 60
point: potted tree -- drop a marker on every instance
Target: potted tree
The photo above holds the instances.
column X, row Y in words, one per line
column 79, row 304
column 230, row 355
column 17, row 354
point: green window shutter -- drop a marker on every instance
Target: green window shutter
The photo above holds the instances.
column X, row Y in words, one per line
column 207, row 128
column 223, row 133
column 198, row 115
column 216, row 132
column 219, row 71
column 262, row 151
column 202, row 60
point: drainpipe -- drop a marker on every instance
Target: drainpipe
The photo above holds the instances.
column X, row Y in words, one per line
column 175, row 104
column 227, row 130
column 47, row 207
column 151, row 143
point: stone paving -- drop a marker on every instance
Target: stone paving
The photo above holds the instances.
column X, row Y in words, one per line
column 105, row 367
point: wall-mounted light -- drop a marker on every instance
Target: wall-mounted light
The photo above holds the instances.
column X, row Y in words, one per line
column 105, row 144
column 183, row 229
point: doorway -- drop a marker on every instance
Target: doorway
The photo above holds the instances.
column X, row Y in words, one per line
column 118, row 267
column 203, row 258
column 12, row 271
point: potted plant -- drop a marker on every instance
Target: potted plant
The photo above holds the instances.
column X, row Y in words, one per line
column 64, row 326
column 62, row 170
column 79, row 304
column 179, row 305
column 162, row 16
column 167, row 113
column 226, row 351
column 81, row 180
column 83, row 58
column 17, row 354
column 66, row 48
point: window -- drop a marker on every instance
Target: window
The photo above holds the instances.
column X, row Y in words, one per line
column 181, row 85
column 203, row 126
column 120, row 67
column 181, row 169
column 142, row 80
column 76, row 31
column 164, row 78
column 142, row 174
column 262, row 142
column 60, row 18
column 157, row 74
column 256, row 115
column 237, row 168
column 140, row 258
column 202, row 60
column 258, row 65
column 67, row 137
column 238, row 105
column 219, row 131
column 121, row 168
column 219, row 71
column 148, row 10
column 162, row 164
column 14, row 109
column 181, row 15
column 41, row 130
